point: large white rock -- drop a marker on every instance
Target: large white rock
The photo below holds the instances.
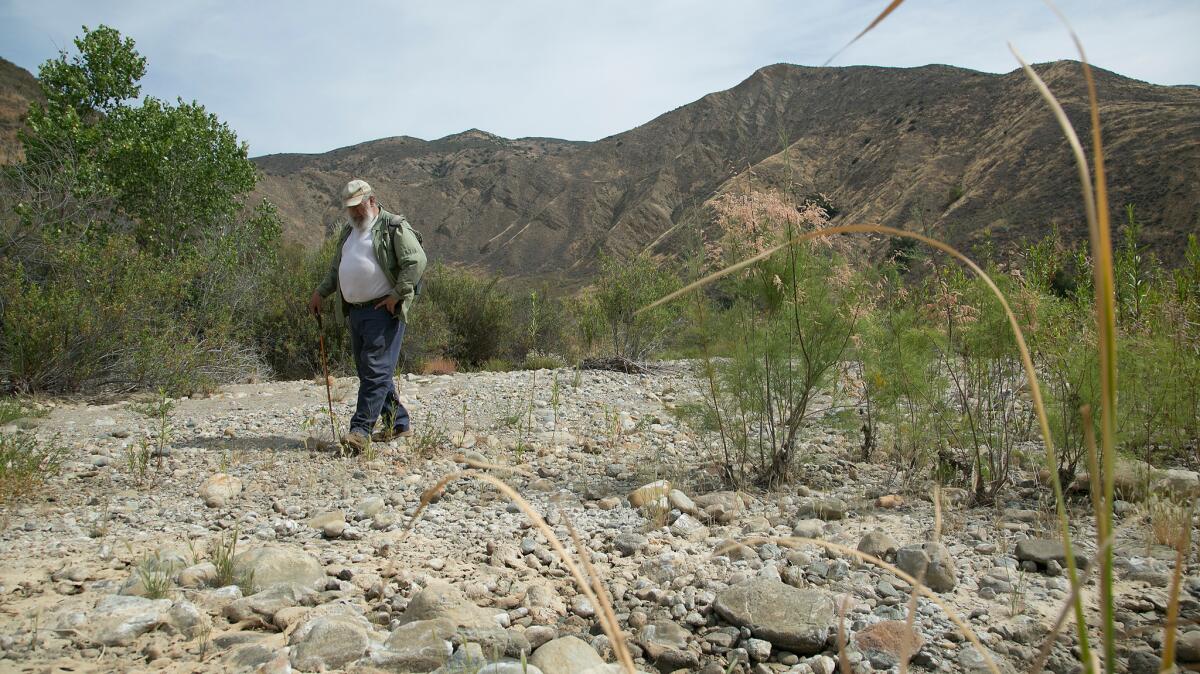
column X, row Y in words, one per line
column 566, row 655
column 271, row 564
column 118, row 620
column 219, row 489
column 649, row 493
column 793, row 619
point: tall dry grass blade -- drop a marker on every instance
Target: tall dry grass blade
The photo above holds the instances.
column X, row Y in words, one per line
column 481, row 465
column 1106, row 320
column 1095, row 490
column 1182, row 550
column 909, row 621
column 607, row 614
column 598, row 597
column 1102, row 259
column 937, row 513
column 432, row 492
column 1052, row 635
column 843, row 658
column 1103, row 229
column 1096, row 493
column 427, row 497
column 796, row 541
column 882, row 15
column 1089, row 442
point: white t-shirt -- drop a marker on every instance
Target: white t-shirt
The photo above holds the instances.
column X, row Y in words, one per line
column 360, row 277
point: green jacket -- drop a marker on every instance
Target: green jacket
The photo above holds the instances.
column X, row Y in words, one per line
column 398, row 251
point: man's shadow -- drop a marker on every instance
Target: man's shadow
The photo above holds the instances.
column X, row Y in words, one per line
column 263, row 443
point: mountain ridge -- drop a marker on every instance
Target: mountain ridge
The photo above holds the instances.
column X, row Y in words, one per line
column 974, row 158
column 887, row 145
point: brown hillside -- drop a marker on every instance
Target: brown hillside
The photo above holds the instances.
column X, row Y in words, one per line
column 958, row 153
column 961, row 154
column 17, row 89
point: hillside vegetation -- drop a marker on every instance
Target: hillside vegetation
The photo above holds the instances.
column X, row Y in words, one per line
column 968, row 157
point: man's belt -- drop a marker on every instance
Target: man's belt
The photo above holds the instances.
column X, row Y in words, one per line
column 369, row 304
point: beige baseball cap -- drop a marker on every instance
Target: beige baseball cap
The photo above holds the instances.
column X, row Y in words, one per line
column 354, row 192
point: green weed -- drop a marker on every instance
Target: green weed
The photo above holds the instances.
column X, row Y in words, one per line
column 26, row 462
column 12, row 409
column 137, row 459
column 158, row 411
column 155, row 575
column 222, row 552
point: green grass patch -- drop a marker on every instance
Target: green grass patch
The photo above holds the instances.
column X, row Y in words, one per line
column 25, row 462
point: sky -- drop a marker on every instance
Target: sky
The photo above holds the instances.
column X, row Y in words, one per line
column 307, row 76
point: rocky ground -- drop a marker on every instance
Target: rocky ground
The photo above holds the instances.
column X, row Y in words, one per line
column 112, row 568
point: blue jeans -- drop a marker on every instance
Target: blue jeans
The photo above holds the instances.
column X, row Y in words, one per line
column 375, row 338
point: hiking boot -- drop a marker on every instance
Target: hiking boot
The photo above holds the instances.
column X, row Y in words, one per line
column 355, row 442
column 391, row 434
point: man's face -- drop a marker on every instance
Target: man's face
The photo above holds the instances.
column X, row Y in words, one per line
column 363, row 209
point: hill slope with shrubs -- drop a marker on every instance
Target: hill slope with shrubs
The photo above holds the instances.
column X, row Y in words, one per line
column 969, row 157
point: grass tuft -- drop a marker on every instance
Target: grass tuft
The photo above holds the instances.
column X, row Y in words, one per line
column 440, row 365
column 155, row 575
column 222, row 552
column 1170, row 523
column 26, row 462
column 12, row 409
column 536, row 360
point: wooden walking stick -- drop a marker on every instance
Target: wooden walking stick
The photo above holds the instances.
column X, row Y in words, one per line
column 325, row 373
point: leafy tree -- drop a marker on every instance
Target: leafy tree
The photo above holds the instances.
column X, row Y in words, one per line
column 129, row 257
column 103, row 75
column 80, row 90
column 174, row 171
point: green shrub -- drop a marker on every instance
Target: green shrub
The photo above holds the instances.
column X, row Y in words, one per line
column 536, row 360
column 106, row 316
column 1160, row 385
column 496, row 365
column 606, row 313
column 1063, row 344
column 25, row 462
column 783, row 342
column 1186, row 279
column 1134, row 271
column 155, row 575
column 984, row 417
column 542, row 324
column 478, row 312
column 284, row 331
column 222, row 552
column 428, row 335
column 899, row 377
column 12, row 409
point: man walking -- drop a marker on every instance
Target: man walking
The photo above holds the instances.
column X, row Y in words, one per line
column 376, row 268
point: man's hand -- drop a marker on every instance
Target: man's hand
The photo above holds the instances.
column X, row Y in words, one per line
column 314, row 304
column 388, row 303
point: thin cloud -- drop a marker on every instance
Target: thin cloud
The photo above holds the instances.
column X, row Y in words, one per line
column 309, row 76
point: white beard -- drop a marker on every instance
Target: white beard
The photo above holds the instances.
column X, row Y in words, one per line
column 367, row 218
